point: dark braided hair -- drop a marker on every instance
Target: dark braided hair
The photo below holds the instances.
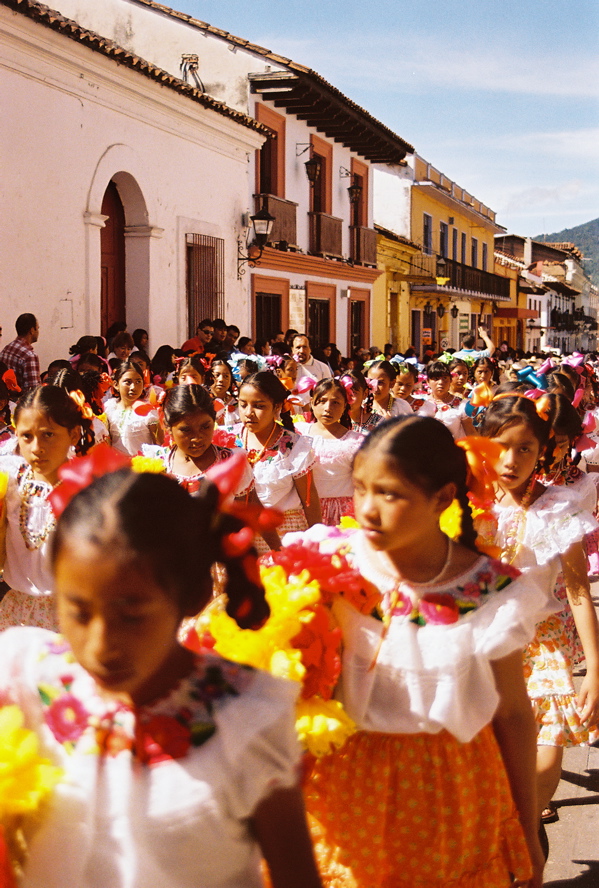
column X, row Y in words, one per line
column 5, row 396
column 428, row 457
column 150, row 517
column 72, row 381
column 182, row 400
column 358, row 379
column 54, row 401
column 269, row 385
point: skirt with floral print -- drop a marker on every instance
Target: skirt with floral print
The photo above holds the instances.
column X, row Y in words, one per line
column 548, row 665
column 415, row 811
column 22, row 609
column 334, row 508
column 294, row 520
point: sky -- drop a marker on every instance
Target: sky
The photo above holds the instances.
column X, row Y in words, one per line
column 503, row 98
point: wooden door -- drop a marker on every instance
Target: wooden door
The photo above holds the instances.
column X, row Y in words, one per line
column 112, row 240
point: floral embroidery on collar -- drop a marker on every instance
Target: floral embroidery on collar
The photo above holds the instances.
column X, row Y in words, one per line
column 164, row 731
column 443, row 608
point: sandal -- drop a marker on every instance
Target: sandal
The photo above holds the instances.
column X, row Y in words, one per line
column 550, row 814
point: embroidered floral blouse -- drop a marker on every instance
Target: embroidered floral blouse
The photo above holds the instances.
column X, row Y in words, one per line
column 154, row 796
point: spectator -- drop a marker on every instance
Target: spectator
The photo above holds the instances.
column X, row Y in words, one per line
column 122, row 346
column 217, row 343
column 204, row 333
column 231, row 337
column 468, row 342
column 19, row 355
column 141, row 339
column 246, row 346
column 307, row 365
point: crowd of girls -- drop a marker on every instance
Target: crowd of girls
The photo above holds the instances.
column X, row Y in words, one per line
column 458, row 675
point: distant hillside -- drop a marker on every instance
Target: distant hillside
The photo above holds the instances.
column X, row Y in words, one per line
column 586, row 238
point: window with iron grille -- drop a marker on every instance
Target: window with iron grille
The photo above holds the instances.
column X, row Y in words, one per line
column 205, row 279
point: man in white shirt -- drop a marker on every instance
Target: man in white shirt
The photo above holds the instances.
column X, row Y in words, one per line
column 469, row 340
column 306, row 364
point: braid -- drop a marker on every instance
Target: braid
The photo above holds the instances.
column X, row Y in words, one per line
column 87, row 438
column 246, row 603
column 287, row 421
column 468, row 533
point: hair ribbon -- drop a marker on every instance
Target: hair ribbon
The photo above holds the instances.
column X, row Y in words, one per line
column 306, row 384
column 348, row 385
column 78, row 398
column 481, row 455
column 10, row 380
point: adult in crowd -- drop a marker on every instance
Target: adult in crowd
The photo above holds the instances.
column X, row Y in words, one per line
column 219, row 334
column 204, row 333
column 468, row 349
column 307, row 363
column 19, row 354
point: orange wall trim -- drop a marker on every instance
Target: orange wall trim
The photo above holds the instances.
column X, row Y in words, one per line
column 300, row 263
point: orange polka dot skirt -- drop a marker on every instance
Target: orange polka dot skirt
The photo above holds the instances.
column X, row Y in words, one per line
column 415, row 811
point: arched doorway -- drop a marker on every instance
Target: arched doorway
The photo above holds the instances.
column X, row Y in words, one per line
column 112, row 244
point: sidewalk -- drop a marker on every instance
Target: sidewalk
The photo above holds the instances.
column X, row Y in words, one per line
column 574, row 840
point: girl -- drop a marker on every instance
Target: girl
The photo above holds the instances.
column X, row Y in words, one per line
column 191, row 371
column 189, row 417
column 281, row 459
column 72, row 381
column 334, row 445
column 287, row 373
column 130, row 424
column 163, row 366
column 448, row 409
column 47, row 423
column 381, row 376
column 460, row 373
column 405, row 383
column 221, row 389
column 422, row 794
column 484, row 371
column 363, row 418
column 178, row 769
column 541, row 530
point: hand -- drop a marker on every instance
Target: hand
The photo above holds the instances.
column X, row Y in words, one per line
column 588, row 698
column 538, row 864
column 482, row 331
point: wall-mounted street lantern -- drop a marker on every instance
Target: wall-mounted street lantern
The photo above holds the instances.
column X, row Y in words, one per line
column 262, row 223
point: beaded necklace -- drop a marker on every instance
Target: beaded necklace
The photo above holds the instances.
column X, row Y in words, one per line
column 516, row 526
column 31, row 491
column 254, row 455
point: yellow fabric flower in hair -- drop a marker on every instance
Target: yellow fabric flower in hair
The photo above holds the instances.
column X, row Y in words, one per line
column 450, row 521
column 270, row 646
column 148, row 464
column 26, row 778
column 322, row 725
column 348, row 523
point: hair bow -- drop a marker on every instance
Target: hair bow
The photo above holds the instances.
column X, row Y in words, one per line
column 528, row 375
column 274, row 361
column 574, row 360
column 481, row 396
column 10, row 380
column 583, row 442
column 348, row 385
column 79, row 399
column 482, row 455
column 78, row 473
column 306, row 384
column 446, row 358
column 589, row 423
column 546, row 367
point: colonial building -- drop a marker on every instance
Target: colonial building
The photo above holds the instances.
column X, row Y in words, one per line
column 452, row 283
column 112, row 197
column 314, row 176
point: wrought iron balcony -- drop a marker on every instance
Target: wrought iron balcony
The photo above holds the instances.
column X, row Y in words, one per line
column 475, row 280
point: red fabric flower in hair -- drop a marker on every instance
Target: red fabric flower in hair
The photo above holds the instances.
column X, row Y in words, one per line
column 80, row 472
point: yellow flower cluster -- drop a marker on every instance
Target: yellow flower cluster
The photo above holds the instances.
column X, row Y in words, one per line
column 321, row 725
column 450, row 521
column 3, row 484
column 148, row 464
column 25, row 777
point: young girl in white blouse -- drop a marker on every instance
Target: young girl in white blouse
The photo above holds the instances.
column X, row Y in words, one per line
column 334, row 445
column 131, row 421
column 48, row 424
column 178, row 769
column 437, row 785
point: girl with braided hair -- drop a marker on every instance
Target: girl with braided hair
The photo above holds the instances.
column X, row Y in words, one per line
column 541, row 530
column 179, row 769
column 436, row 787
column 48, row 423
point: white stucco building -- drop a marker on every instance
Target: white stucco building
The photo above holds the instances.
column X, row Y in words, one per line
column 86, row 126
